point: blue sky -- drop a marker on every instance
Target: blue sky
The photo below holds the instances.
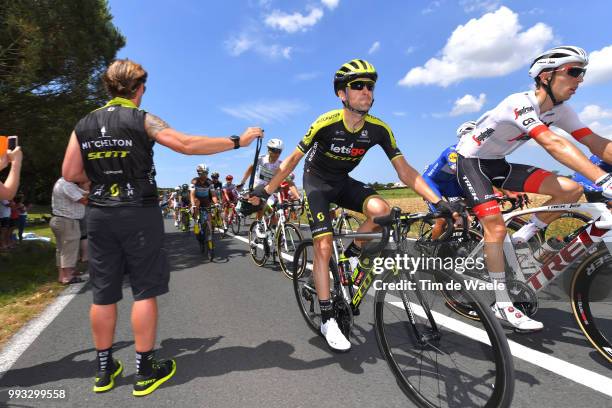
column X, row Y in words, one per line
column 217, row 67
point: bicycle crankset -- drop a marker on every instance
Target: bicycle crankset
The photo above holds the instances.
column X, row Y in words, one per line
column 523, row 297
column 344, row 315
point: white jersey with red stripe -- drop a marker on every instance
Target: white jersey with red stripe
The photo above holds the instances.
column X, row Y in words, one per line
column 513, row 122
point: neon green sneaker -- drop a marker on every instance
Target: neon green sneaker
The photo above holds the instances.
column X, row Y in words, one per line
column 163, row 370
column 105, row 380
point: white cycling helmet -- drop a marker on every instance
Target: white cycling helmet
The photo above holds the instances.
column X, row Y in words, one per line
column 555, row 57
column 178, row 188
column 466, row 127
column 275, row 144
column 202, row 168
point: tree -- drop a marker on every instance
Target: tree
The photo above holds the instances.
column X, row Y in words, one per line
column 52, row 55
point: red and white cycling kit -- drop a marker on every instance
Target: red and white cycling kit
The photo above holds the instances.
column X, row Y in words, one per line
column 481, row 152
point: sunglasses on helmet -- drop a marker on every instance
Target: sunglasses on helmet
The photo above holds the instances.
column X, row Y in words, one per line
column 358, row 85
column 574, row 72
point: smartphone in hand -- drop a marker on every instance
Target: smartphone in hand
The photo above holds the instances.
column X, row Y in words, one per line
column 13, row 142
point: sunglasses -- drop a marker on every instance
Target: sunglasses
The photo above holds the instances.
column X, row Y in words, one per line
column 274, row 150
column 359, row 84
column 574, row 72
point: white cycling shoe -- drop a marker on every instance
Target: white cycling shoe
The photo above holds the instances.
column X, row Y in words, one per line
column 517, row 319
column 333, row 335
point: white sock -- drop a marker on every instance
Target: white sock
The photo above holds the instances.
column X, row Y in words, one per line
column 502, row 297
column 527, row 231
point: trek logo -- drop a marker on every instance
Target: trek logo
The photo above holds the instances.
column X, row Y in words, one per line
column 561, row 261
column 522, row 111
column 347, row 150
column 483, row 136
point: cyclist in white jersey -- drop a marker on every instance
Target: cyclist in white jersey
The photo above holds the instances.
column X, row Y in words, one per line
column 481, row 159
column 267, row 166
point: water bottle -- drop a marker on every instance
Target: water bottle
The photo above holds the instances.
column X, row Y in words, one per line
column 549, row 249
column 364, row 267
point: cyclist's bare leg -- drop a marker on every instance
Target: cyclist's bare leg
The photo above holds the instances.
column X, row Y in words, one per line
column 438, row 228
column 323, row 245
column 494, row 234
column 562, row 191
column 373, row 206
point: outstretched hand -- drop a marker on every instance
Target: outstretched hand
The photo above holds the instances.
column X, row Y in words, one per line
column 250, row 134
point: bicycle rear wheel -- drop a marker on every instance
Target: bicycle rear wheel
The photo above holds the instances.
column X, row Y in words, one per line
column 287, row 241
column 304, row 287
column 442, row 360
column 591, row 298
column 258, row 246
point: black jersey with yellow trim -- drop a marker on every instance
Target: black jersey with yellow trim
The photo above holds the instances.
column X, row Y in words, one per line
column 332, row 151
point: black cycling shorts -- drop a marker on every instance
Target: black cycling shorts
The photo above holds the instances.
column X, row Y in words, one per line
column 478, row 176
column 126, row 240
column 320, row 193
column 595, row 197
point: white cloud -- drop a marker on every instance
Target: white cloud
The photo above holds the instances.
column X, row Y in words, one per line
column 433, row 6
column 330, row 4
column 490, row 46
column 306, row 76
column 600, row 66
column 410, row 50
column 468, row 104
column 240, row 44
column 399, row 113
column 375, row 47
column 265, row 111
column 293, row 22
column 479, row 5
column 594, row 112
column 251, row 42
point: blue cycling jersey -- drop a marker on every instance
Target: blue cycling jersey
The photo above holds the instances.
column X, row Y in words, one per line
column 441, row 175
column 587, row 184
column 444, row 169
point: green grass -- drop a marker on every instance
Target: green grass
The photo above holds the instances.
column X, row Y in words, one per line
column 28, row 277
column 398, row 193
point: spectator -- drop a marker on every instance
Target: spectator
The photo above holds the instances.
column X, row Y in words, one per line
column 68, row 207
column 125, row 226
column 22, row 208
column 9, row 188
column 5, row 218
column 14, row 219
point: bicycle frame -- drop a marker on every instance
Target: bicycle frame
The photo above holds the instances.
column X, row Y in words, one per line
column 597, row 231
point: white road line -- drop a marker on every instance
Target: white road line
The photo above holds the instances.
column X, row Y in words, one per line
column 21, row 340
column 560, row 367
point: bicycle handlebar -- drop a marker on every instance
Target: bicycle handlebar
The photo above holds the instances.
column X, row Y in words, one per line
column 392, row 222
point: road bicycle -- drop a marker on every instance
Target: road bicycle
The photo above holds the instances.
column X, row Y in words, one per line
column 437, row 357
column 268, row 238
column 233, row 219
column 184, row 219
column 204, row 234
column 586, row 250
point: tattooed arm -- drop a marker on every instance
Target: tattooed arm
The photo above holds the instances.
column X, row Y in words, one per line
column 163, row 134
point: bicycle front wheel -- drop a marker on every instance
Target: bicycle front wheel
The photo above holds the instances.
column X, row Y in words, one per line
column 591, row 297
column 258, row 246
column 235, row 223
column 439, row 358
column 287, row 241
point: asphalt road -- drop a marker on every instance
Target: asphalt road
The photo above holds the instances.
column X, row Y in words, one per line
column 239, row 341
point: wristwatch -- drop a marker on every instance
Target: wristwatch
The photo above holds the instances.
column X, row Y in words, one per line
column 236, row 140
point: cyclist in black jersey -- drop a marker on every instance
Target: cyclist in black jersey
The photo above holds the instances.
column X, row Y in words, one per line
column 334, row 145
column 113, row 147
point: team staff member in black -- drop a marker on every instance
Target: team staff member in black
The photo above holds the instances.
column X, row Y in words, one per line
column 334, row 145
column 113, row 147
